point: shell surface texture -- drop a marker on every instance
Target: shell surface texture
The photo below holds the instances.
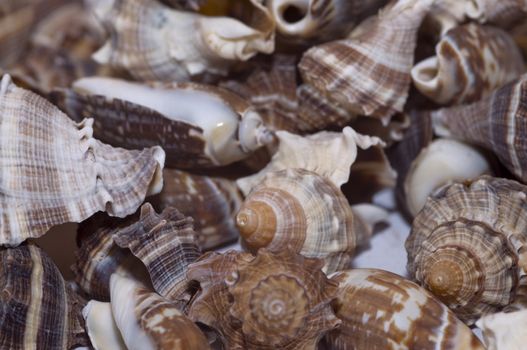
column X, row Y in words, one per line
column 504, row 330
column 53, row 171
column 467, row 245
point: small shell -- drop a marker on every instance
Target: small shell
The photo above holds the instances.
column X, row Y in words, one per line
column 360, row 73
column 101, row 326
column 504, row 13
column 154, row 42
column 381, row 310
column 149, row 322
column 278, row 300
column 53, row 171
column 212, row 201
column 471, row 61
column 497, row 123
column 197, row 125
column 37, row 308
column 466, row 245
column 504, row 330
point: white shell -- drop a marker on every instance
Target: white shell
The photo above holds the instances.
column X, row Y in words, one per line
column 101, row 327
column 504, row 331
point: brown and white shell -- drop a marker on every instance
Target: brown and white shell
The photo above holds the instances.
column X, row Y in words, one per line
column 471, row 61
column 496, row 123
column 38, row 310
column 468, row 245
column 369, row 72
column 197, row 125
column 153, row 42
column 504, row 330
column 53, row 171
column 278, row 300
column 381, row 310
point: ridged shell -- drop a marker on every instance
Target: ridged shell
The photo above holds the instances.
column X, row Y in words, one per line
column 369, row 73
column 381, row 310
column 153, row 42
column 471, row 61
column 504, row 330
column 53, row 171
column 497, row 123
column 149, row 322
column 212, row 201
column 503, row 13
column 198, row 125
column 38, row 310
column 468, row 245
column 277, row 300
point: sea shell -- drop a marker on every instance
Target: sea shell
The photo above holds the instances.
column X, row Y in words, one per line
column 185, row 4
column 504, row 330
column 153, row 42
column 148, row 321
column 53, row 171
column 101, row 327
column 272, row 300
column 320, row 20
column 381, row 310
column 212, row 201
column 16, row 22
column 37, row 308
column 468, row 243
column 197, row 125
column 446, row 14
column 471, row 61
column 504, row 13
column 369, row 72
column 496, row 123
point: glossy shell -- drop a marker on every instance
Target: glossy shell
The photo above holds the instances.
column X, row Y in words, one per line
column 504, row 330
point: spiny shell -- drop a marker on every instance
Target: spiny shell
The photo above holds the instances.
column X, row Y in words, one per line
column 503, row 13
column 154, row 42
column 361, row 73
column 37, row 308
column 504, row 330
column 53, row 171
column 497, row 123
column 212, row 201
column 279, row 300
column 381, row 310
column 471, row 61
column 148, row 321
column 198, row 125
column 101, row 327
column 468, row 243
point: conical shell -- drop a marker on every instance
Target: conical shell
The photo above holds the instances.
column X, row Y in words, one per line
column 497, row 123
column 504, row 330
column 467, row 245
column 153, row 42
column 471, row 61
column 278, row 300
column 369, row 73
column 381, row 310
column 37, row 308
column 198, row 125
column 53, row 171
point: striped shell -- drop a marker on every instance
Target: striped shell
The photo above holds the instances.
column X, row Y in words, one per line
column 198, row 125
column 504, row 330
column 38, row 310
column 471, row 61
column 153, row 42
column 467, row 245
column 497, row 123
column 278, row 300
column 53, row 171
column 381, row 310
column 360, row 72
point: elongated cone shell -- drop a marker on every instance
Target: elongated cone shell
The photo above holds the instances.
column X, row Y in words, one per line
column 503, row 13
column 381, row 310
column 38, row 310
column 53, row 171
column 198, row 125
column 153, row 42
column 212, row 202
column 504, row 330
column 361, row 73
column 471, row 61
column 467, row 245
column 148, row 321
column 279, row 300
column 497, row 123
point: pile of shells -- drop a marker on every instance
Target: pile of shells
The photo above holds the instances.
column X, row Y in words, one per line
column 237, row 173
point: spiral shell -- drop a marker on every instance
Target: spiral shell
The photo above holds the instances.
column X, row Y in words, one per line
column 471, row 61
column 504, row 330
column 381, row 310
column 467, row 245
column 496, row 123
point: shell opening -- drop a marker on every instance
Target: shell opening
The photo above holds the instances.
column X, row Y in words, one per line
column 292, row 17
column 425, row 76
